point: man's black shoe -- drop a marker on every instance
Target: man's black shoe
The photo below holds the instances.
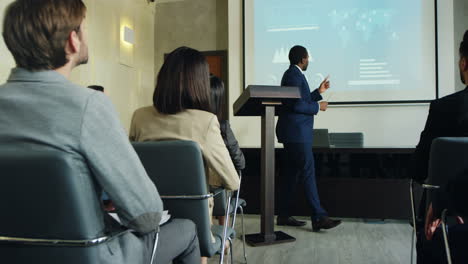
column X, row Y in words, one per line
column 289, row 221
column 324, row 223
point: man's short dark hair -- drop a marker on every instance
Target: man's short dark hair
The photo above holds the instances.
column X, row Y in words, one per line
column 464, row 46
column 296, row 54
column 183, row 83
column 36, row 32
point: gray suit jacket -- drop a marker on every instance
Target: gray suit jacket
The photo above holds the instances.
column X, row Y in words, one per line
column 45, row 110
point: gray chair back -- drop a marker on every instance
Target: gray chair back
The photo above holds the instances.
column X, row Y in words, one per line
column 347, row 140
column 43, row 196
column 448, row 159
column 321, row 138
column 176, row 168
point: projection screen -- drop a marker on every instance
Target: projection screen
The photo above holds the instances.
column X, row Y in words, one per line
column 374, row 51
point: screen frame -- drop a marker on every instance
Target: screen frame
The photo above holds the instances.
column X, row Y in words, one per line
column 392, row 102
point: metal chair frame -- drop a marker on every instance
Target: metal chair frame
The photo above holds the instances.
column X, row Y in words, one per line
column 53, row 242
column 204, row 197
column 70, row 242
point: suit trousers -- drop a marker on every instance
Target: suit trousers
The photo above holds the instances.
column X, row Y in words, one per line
column 299, row 168
column 178, row 242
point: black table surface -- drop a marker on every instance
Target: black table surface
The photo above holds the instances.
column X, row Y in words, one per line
column 370, row 149
column 364, row 149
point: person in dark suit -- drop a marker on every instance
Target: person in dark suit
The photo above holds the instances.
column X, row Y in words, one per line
column 294, row 130
column 448, row 117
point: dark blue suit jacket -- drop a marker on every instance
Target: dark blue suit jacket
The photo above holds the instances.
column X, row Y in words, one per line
column 296, row 118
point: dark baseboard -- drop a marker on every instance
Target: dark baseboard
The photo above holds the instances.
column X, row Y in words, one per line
column 370, row 185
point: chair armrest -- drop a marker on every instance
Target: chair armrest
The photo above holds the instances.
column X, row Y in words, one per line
column 188, row 197
column 430, row 187
column 216, row 191
column 59, row 242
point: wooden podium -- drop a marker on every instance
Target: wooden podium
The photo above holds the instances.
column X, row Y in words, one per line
column 260, row 100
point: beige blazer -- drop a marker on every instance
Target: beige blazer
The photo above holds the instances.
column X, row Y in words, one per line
column 195, row 125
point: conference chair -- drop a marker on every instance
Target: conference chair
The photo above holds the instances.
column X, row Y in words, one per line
column 455, row 235
column 447, row 160
column 455, row 239
column 176, row 168
column 49, row 213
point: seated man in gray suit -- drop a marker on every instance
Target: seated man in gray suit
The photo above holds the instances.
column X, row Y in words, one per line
column 41, row 108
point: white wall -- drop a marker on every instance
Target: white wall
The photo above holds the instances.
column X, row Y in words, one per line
column 199, row 24
column 395, row 125
column 128, row 87
column 6, row 61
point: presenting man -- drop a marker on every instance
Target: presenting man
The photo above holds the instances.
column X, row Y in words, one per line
column 41, row 109
column 448, row 117
column 294, row 130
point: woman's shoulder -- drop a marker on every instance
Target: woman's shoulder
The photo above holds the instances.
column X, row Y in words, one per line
column 189, row 115
column 144, row 113
column 145, row 110
column 199, row 114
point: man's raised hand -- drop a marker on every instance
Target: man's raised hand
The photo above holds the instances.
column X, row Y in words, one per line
column 324, row 85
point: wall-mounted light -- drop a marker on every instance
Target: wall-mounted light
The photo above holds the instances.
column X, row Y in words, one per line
column 127, row 41
column 129, row 35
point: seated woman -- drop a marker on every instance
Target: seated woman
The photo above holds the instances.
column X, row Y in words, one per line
column 217, row 107
column 181, row 110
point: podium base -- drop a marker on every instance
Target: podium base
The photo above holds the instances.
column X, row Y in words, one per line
column 257, row 240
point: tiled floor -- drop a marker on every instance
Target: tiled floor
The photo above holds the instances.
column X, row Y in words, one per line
column 355, row 241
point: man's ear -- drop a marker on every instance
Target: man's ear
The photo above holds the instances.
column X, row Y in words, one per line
column 73, row 43
column 464, row 64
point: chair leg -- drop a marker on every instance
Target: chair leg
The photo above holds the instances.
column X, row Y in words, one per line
column 413, row 235
column 226, row 222
column 444, row 232
column 243, row 233
column 153, row 254
column 230, row 250
column 237, row 201
column 413, row 214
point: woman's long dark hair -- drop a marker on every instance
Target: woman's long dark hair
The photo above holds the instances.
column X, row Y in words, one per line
column 217, row 97
column 183, row 82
